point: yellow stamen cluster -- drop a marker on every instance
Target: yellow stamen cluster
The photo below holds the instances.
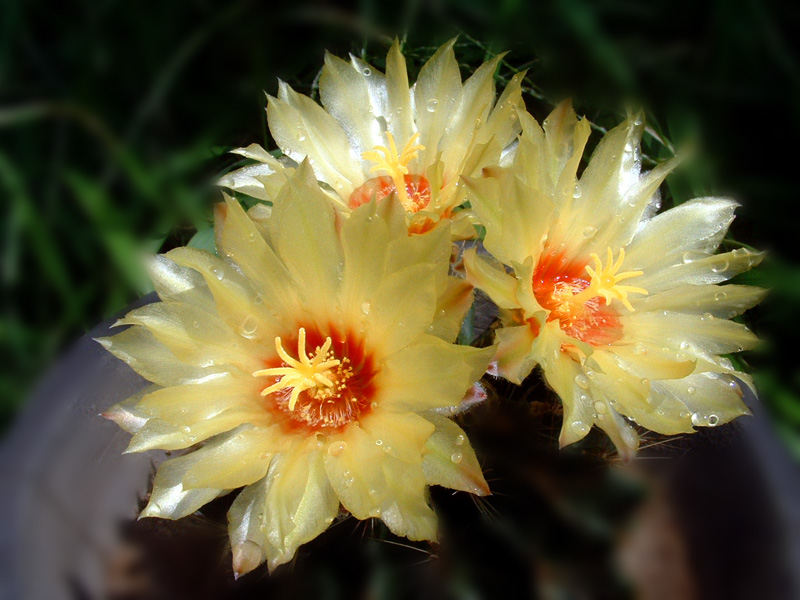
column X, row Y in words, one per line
column 387, row 159
column 605, row 280
column 314, row 371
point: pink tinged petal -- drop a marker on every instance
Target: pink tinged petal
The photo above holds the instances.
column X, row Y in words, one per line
column 169, row 500
column 303, row 129
column 450, row 460
column 490, row 277
column 127, row 414
column 474, row 396
column 372, row 483
column 153, row 360
column 436, row 95
column 430, row 374
column 302, row 228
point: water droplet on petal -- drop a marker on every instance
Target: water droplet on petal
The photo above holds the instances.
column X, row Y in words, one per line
column 379, row 442
column 258, row 299
column 600, row 407
column 460, row 440
column 577, row 192
column 582, row 381
column 589, row 232
column 365, row 308
column 336, row 448
column 366, row 71
column 349, row 482
column 691, row 390
column 720, row 267
column 713, row 420
column 456, row 457
column 640, row 349
column 250, row 325
column 186, row 429
column 690, row 257
column 580, row 427
column 432, row 105
column 719, row 296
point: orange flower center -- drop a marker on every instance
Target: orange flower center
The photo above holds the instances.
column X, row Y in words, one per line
column 579, row 296
column 417, row 188
column 324, row 383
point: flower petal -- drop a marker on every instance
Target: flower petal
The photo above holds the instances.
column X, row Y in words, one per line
column 450, row 460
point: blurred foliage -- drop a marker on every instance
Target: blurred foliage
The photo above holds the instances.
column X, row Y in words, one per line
column 115, row 119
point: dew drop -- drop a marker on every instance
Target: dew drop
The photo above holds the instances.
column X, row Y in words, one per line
column 691, row 390
column 600, row 407
column 196, row 324
column 186, row 429
column 645, row 381
column 690, row 257
column 374, row 404
column 349, row 482
column 640, row 349
column 696, row 419
column 218, row 273
column 456, row 457
column 250, row 325
column 301, row 135
column 192, row 438
column 460, row 440
column 719, row 296
column 590, row 232
column 577, row 192
column 720, row 267
column 375, row 513
column 685, row 345
column 258, row 299
column 713, row 420
column 708, row 317
column 433, row 104
column 379, row 442
column 365, row 308
column 580, row 427
column 336, row 448
column 582, row 381
column 366, row 71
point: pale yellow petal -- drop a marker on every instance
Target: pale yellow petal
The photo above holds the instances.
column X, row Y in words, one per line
column 430, row 373
column 236, row 460
column 344, row 94
column 303, row 129
column 302, row 229
column 491, row 278
column 168, row 499
column 436, row 95
column 194, row 336
column 724, row 302
column 174, row 282
column 450, row 460
column 400, row 116
column 451, row 307
column 372, row 483
column 515, row 354
column 153, row 360
column 400, row 434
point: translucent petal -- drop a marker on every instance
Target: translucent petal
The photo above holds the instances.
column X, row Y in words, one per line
column 174, row 282
column 168, row 499
column 720, row 301
column 372, row 483
column 430, row 373
column 491, row 279
column 399, row 434
column 451, row 308
column 450, row 460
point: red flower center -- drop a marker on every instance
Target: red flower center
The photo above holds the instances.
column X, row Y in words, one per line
column 320, row 380
column 418, row 191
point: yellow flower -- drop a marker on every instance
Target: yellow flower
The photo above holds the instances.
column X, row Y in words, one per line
column 619, row 306
column 314, row 362
column 376, row 136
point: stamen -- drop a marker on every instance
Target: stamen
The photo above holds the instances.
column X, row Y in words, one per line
column 387, row 159
column 605, row 280
column 311, row 372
